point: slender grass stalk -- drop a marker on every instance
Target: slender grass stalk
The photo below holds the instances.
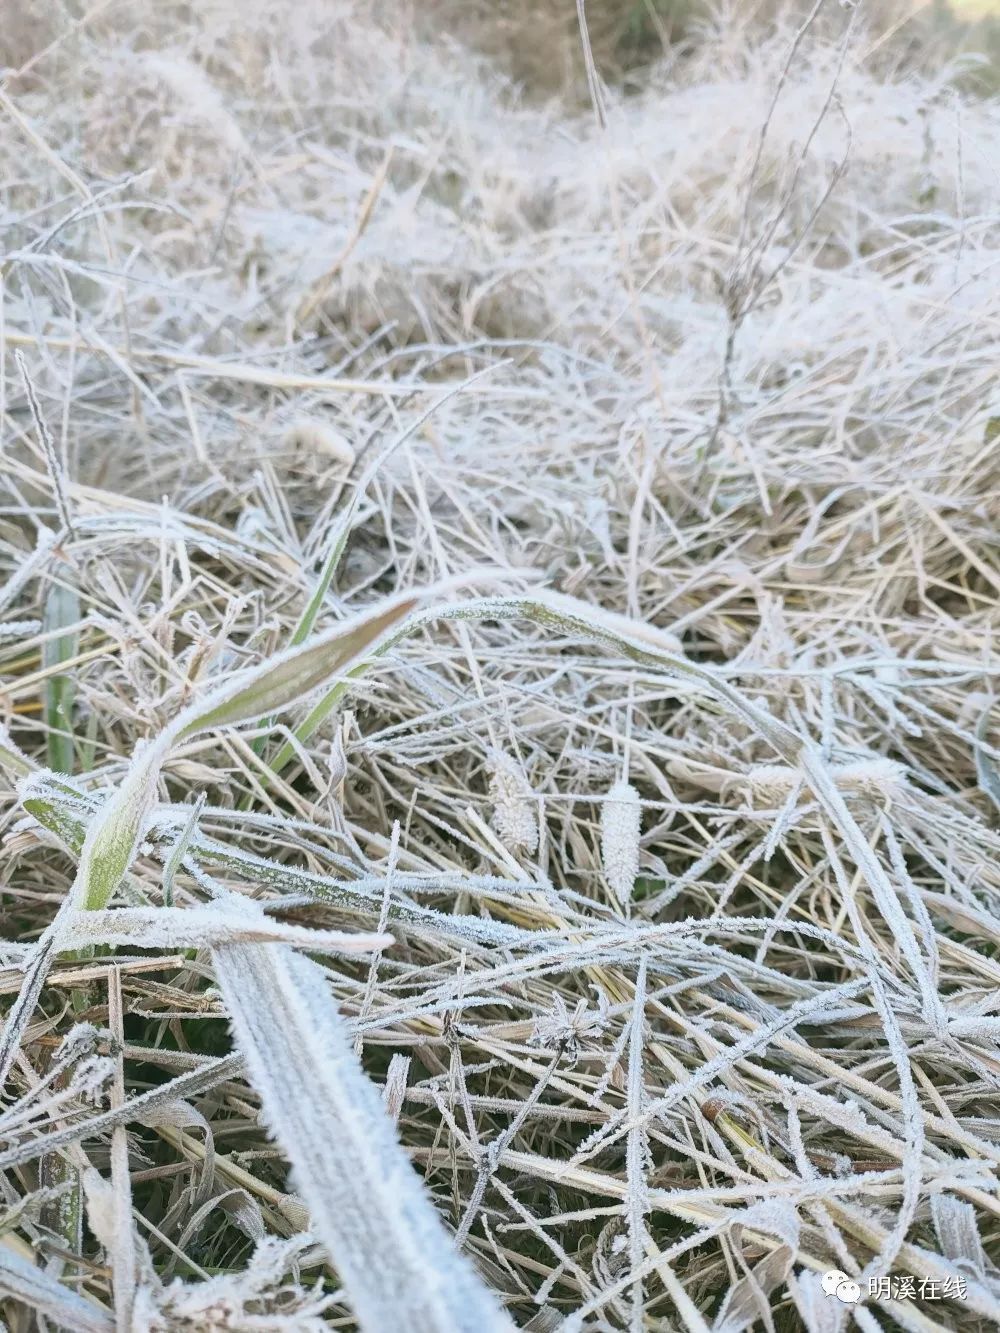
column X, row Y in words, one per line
column 62, row 610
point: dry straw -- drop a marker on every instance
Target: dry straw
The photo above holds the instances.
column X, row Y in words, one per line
column 351, row 977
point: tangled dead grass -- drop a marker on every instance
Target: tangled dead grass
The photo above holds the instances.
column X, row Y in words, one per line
column 652, row 870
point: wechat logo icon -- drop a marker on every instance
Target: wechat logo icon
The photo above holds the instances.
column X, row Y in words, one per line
column 836, row 1283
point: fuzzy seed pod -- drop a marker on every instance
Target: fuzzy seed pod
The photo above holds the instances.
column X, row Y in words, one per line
column 514, row 816
column 621, row 819
column 770, row 784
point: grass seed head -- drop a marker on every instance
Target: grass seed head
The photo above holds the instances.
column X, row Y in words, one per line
column 515, row 815
column 621, row 822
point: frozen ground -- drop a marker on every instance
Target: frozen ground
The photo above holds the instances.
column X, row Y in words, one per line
column 644, row 454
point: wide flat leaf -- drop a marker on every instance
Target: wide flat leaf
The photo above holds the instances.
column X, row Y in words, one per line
column 287, row 677
column 399, row 1265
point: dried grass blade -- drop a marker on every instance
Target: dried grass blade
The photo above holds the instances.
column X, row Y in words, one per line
column 24, row 1006
column 123, row 1256
column 636, row 1153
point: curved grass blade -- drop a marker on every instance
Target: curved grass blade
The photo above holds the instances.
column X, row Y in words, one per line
column 277, row 682
column 114, row 832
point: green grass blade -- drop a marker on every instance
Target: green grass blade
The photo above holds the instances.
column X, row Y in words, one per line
column 342, row 531
column 62, row 610
column 289, row 676
column 180, row 850
column 277, row 682
column 986, row 772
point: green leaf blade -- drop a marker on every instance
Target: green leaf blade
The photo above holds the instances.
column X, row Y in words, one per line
column 62, row 610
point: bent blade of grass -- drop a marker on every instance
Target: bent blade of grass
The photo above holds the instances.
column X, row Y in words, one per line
column 650, row 646
column 637, row 641
column 370, row 1209
column 632, row 638
column 277, row 682
column 114, row 832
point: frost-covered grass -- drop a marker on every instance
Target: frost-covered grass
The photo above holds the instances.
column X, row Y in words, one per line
column 499, row 753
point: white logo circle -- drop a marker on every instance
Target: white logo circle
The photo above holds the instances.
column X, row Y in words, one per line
column 840, row 1284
